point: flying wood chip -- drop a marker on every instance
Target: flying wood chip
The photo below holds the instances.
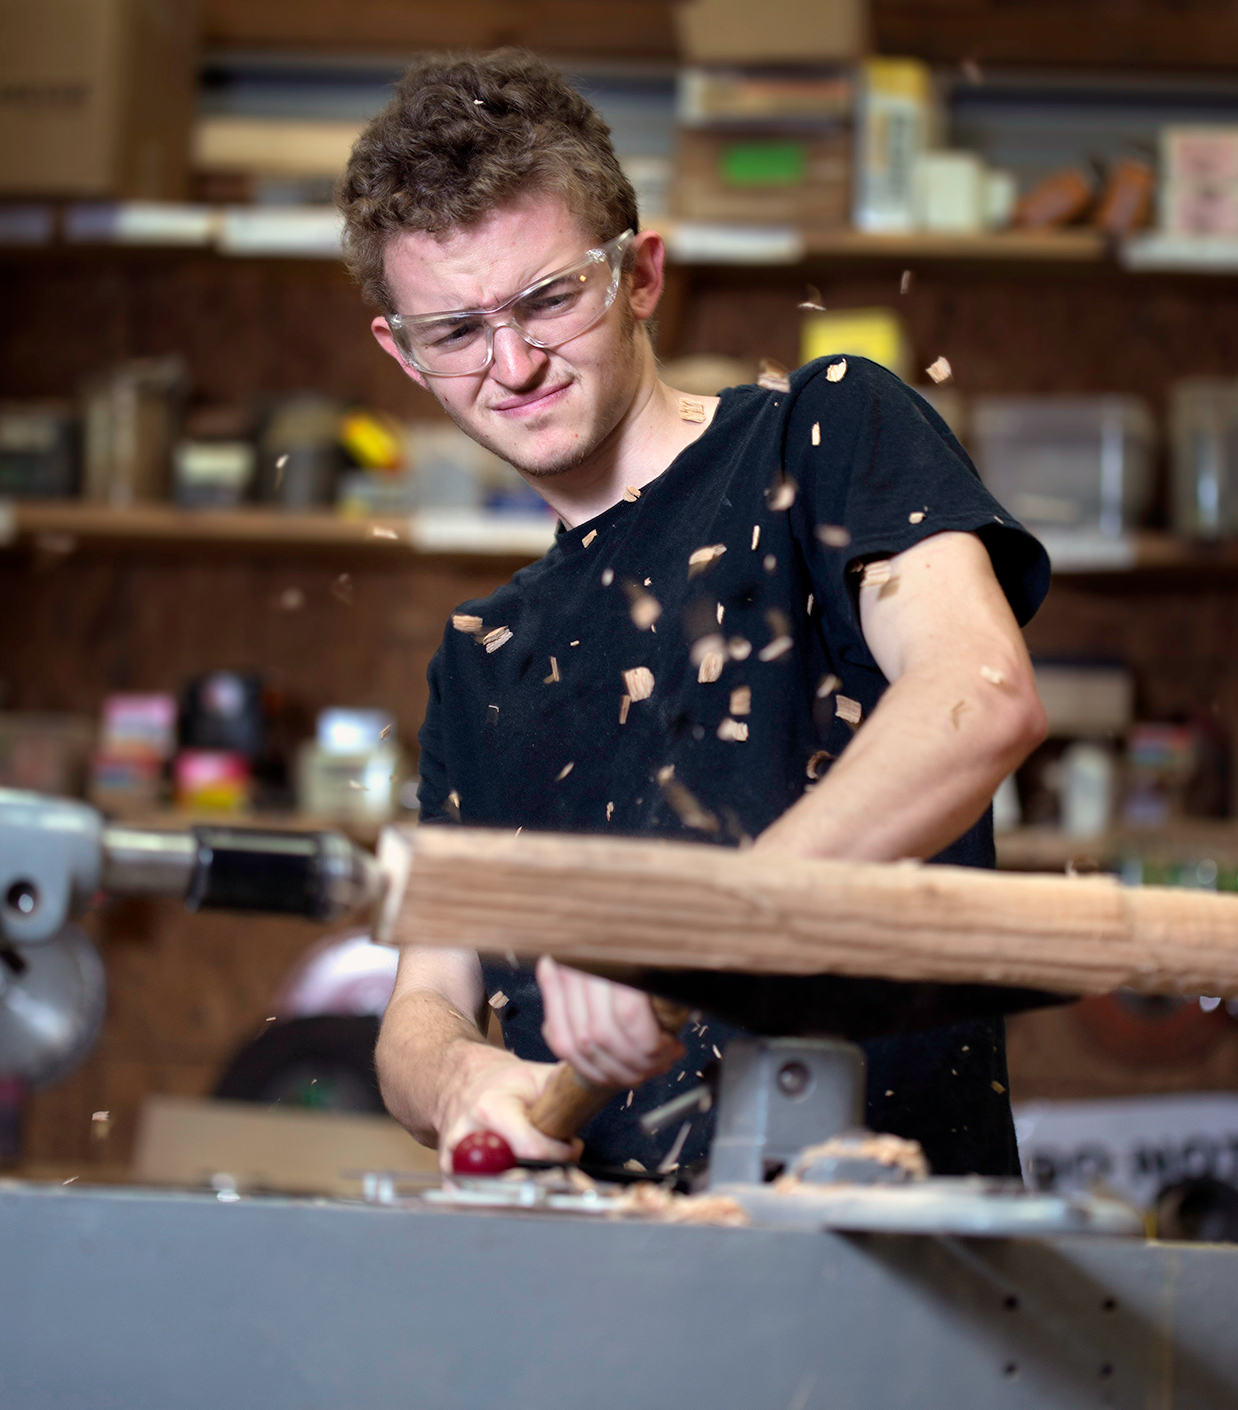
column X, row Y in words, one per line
column 741, row 700
column 710, row 667
column 466, row 622
column 756, row 536
column 916, row 516
column 739, row 648
column 818, row 761
column 940, row 370
column 498, row 1000
column 781, row 496
column 699, row 560
column 452, row 806
column 816, row 433
column 847, row 709
column 341, row 589
column 608, row 576
column 625, row 704
column 665, row 773
column 691, row 410
column 639, row 681
column 704, row 646
column 721, row 613
column 769, row 562
column 992, row 675
column 904, row 284
column 377, row 531
column 812, row 304
column 500, row 636
column 565, row 770
column 734, row 731
column 689, row 811
column 631, row 493
column 833, row 535
column 778, row 647
column 876, row 574
column 645, row 609
column 588, row 538
column 774, row 376
column 829, row 684
column 553, row 677
column 610, row 811
column 836, row 371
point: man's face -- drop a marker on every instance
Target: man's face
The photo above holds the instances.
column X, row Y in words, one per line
column 542, row 410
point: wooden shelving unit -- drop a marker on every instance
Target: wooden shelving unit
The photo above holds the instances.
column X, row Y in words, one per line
column 62, row 525
column 1186, row 841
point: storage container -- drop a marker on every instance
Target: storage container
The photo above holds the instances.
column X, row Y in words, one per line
column 1067, row 463
column 1204, row 466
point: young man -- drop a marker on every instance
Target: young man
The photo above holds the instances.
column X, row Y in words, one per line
column 737, row 584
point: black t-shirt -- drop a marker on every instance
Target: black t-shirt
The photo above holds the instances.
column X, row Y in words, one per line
column 595, row 717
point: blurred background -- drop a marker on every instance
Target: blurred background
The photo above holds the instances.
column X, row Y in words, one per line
column 231, row 530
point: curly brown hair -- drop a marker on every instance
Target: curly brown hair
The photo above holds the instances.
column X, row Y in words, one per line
column 462, row 137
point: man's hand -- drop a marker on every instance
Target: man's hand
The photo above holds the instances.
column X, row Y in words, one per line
column 607, row 1031
column 491, row 1090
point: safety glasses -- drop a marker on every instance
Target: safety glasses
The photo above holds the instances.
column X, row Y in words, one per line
column 547, row 314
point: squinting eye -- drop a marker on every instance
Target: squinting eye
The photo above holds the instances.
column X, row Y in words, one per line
column 453, row 336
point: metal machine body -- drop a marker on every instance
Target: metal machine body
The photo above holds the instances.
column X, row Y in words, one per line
column 143, row 1300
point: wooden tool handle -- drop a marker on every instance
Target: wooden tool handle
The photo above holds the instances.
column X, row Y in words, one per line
column 568, row 1101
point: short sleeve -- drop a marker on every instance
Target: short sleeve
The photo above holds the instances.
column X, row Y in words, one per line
column 879, row 471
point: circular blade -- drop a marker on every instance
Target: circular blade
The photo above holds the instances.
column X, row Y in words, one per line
column 51, row 1012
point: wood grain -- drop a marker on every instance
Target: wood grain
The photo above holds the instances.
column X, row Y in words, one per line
column 603, row 902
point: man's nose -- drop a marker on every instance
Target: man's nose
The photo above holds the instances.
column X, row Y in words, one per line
column 516, row 363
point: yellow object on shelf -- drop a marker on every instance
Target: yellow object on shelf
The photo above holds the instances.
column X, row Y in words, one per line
column 374, row 441
column 875, row 333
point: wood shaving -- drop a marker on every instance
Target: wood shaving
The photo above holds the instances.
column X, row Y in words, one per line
column 671, row 1160
column 904, row 284
column 816, row 433
column 956, row 710
column 916, row 516
column 876, row 574
column 639, row 681
column 833, row 535
column 778, row 647
column 940, row 370
column 453, row 804
column 756, row 536
column 633, row 1163
column 588, row 539
column 808, row 604
column 710, row 667
column 630, row 1164
column 779, row 624
column 699, row 560
column 625, row 704
column 608, row 576
column 631, row 493
column 721, row 613
column 739, row 648
column 341, row 589
column 993, row 675
column 881, row 1147
column 574, row 643
column 492, row 714
column 377, row 531
column 645, row 1200
column 500, row 636
column 357, row 786
column 610, row 811
column 769, row 563
column 836, row 371
column 829, row 684
column 847, row 709
column 565, row 770
column 812, row 304
column 734, row 731
column 691, row 410
column 100, row 1124
column 385, row 732
column 817, row 763
column 645, row 609
column 741, row 700
column 553, row 677
column 998, row 1088
column 774, row 376
column 498, row 1001
column 665, row 773
column 782, row 495
column 688, row 810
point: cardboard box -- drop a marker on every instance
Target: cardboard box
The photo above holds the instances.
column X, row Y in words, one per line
column 96, row 97
column 775, row 31
column 764, row 178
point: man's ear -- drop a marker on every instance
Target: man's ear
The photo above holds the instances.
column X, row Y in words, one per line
column 644, row 278
column 387, row 342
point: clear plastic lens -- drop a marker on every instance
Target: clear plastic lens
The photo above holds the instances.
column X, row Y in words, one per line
column 547, row 315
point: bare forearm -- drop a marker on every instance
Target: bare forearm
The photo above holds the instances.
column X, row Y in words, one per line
column 918, row 774
column 422, row 1047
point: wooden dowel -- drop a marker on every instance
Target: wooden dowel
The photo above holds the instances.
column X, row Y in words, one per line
column 613, row 902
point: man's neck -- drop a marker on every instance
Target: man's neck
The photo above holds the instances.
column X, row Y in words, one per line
column 648, row 436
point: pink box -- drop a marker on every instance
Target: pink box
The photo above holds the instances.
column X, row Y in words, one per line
column 1207, row 154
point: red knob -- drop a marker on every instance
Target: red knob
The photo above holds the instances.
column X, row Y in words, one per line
column 482, row 1153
